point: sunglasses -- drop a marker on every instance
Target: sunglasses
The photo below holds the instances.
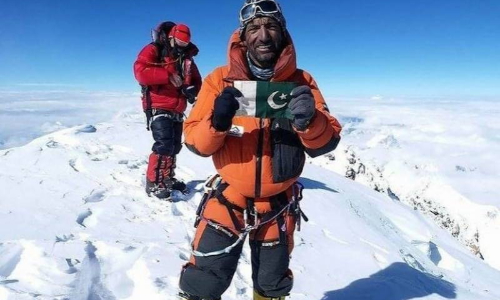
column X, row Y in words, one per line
column 249, row 10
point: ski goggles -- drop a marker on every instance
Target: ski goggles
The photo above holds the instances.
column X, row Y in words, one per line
column 266, row 7
column 155, row 35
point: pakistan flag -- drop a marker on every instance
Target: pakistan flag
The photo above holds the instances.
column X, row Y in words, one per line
column 264, row 99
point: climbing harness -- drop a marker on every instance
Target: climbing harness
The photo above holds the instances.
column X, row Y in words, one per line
column 214, row 188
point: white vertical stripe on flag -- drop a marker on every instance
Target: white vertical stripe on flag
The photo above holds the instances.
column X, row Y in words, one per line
column 248, row 103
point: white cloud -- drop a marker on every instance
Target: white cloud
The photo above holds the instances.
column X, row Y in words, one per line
column 27, row 115
column 41, row 84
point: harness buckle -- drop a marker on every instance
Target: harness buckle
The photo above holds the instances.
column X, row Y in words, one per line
column 252, row 218
column 297, row 195
column 212, row 183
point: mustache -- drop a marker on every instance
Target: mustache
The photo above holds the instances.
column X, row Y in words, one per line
column 272, row 45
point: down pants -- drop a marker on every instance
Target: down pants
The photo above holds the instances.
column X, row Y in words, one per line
column 271, row 246
column 167, row 134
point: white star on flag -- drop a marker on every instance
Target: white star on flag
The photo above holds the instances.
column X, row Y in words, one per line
column 283, row 97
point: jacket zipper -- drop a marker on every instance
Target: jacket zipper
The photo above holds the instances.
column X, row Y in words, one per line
column 258, row 169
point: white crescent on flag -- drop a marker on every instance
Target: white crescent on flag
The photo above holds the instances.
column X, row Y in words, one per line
column 273, row 104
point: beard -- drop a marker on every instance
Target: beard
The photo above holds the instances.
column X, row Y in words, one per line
column 263, row 60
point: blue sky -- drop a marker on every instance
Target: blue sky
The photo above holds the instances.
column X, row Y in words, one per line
column 353, row 48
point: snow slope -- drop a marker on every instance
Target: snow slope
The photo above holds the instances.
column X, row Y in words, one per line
column 76, row 224
column 437, row 156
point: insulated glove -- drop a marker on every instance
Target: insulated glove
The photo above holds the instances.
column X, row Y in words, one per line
column 302, row 107
column 175, row 80
column 225, row 108
column 190, row 93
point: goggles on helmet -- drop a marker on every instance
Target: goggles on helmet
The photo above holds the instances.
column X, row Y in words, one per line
column 266, row 7
column 155, row 35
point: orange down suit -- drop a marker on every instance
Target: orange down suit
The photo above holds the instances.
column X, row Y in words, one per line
column 249, row 168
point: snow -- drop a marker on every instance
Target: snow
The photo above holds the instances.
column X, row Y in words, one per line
column 437, row 156
column 75, row 223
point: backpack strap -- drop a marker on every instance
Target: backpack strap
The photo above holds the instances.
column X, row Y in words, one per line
column 146, row 89
column 146, row 93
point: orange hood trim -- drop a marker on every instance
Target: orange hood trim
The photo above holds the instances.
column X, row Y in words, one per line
column 238, row 70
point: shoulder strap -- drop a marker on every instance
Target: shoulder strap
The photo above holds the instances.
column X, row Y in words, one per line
column 146, row 94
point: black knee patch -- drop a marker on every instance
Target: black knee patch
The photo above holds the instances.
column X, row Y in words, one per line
column 270, row 274
column 164, row 134
column 211, row 276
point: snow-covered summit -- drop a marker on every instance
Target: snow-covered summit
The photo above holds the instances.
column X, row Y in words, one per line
column 75, row 223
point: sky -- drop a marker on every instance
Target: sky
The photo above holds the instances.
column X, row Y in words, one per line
column 354, row 48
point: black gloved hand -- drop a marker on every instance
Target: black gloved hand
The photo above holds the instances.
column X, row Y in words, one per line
column 225, row 108
column 302, row 107
column 190, row 92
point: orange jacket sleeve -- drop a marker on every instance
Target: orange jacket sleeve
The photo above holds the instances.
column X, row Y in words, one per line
column 323, row 133
column 200, row 136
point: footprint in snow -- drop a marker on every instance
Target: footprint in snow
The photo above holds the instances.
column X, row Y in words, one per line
column 52, row 144
column 124, row 179
column 88, row 283
column 72, row 164
column 95, row 196
column 64, row 238
column 77, row 165
column 99, row 152
column 129, row 249
column 133, row 164
column 71, row 265
column 177, row 209
column 82, row 216
column 160, row 283
column 184, row 256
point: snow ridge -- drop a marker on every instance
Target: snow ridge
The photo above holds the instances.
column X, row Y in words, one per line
column 376, row 159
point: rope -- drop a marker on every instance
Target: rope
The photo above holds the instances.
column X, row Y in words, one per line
column 244, row 232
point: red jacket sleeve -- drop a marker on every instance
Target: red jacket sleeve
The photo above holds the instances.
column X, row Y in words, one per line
column 201, row 137
column 147, row 70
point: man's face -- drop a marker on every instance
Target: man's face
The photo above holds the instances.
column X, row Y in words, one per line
column 263, row 38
